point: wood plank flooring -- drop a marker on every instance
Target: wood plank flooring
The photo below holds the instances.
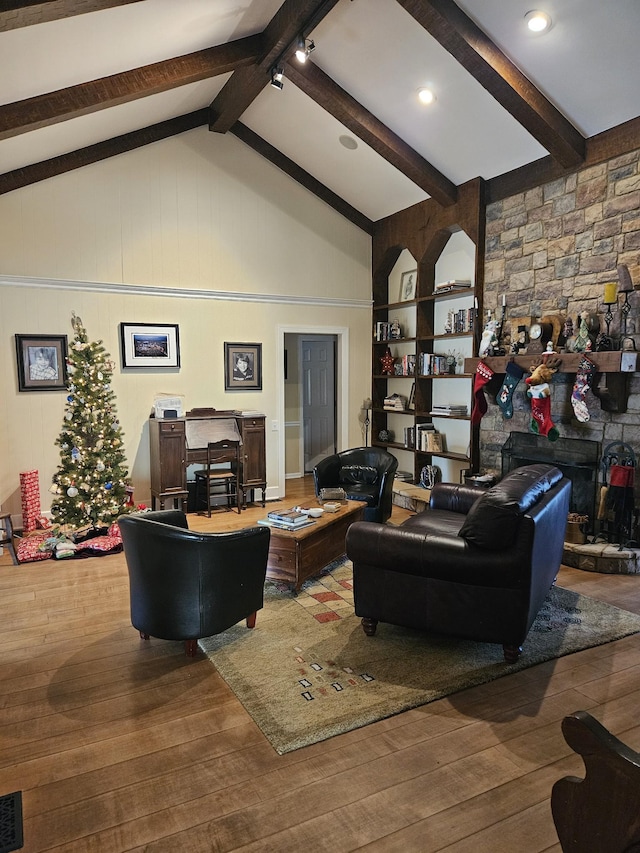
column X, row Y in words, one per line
column 120, row 745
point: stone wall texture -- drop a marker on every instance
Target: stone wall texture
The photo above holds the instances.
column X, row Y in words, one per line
column 551, row 250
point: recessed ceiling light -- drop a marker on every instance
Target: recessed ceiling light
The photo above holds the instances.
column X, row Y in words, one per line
column 348, row 142
column 426, row 96
column 538, row 22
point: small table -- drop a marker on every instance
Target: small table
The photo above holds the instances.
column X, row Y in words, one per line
column 295, row 555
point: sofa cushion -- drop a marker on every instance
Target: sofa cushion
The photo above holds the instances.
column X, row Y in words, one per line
column 362, row 474
column 492, row 522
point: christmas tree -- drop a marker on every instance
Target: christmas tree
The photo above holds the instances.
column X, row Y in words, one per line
column 90, row 483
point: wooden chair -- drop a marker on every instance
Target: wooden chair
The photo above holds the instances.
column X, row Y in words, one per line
column 6, row 535
column 602, row 811
column 210, row 479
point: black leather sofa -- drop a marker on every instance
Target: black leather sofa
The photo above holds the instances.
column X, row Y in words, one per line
column 365, row 473
column 476, row 564
column 186, row 585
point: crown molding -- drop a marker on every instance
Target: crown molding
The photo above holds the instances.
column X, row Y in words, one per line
column 179, row 293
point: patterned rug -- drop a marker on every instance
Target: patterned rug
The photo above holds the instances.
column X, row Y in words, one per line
column 308, row 672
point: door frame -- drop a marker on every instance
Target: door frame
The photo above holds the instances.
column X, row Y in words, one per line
column 341, row 334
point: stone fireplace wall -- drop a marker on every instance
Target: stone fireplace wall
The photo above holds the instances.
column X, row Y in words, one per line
column 551, row 250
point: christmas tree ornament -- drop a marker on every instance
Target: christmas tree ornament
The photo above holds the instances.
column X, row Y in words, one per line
column 72, row 491
column 75, row 454
column 108, row 486
column 100, row 465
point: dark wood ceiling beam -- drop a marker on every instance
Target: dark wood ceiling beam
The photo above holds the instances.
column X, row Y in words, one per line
column 293, row 18
column 330, row 96
column 14, row 15
column 266, row 150
column 43, row 110
column 611, row 143
column 100, row 151
column 475, row 51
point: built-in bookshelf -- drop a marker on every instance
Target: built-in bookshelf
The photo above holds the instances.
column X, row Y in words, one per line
column 428, row 337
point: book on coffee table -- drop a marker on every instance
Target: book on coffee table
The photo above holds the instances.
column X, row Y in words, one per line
column 288, row 516
column 284, row 525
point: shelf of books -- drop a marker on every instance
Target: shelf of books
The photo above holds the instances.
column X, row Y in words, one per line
column 420, row 413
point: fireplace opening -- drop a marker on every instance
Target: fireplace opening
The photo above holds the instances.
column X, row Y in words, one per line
column 578, row 459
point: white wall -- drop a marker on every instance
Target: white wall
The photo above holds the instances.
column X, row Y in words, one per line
column 196, row 230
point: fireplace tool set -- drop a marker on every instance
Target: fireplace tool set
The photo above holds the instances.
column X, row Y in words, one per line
column 617, row 514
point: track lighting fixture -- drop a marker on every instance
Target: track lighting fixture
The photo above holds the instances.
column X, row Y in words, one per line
column 304, row 48
column 277, row 75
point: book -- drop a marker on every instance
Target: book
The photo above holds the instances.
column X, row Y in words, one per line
column 287, row 516
column 451, row 283
column 282, row 525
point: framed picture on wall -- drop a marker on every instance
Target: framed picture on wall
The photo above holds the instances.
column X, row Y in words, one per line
column 42, row 362
column 408, row 285
column 242, row 367
column 155, row 345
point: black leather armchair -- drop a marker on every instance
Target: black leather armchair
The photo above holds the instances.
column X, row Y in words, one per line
column 475, row 564
column 365, row 474
column 185, row 585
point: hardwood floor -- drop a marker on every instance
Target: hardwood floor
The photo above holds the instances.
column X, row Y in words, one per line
column 120, row 745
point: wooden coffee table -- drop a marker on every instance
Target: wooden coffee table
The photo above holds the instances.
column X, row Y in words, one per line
column 295, row 555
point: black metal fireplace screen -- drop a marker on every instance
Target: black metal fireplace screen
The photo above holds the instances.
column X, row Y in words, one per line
column 578, row 459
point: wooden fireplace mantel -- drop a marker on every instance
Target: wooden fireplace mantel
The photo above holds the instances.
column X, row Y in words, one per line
column 614, row 368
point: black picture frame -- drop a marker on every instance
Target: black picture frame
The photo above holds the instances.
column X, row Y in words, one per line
column 42, row 362
column 150, row 345
column 242, row 367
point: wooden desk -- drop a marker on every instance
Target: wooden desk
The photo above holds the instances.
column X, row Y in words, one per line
column 169, row 455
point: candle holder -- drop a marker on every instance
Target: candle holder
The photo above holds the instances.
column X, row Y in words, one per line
column 604, row 342
column 624, row 310
column 367, row 405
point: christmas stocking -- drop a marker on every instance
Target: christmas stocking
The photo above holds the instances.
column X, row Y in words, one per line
column 541, row 422
column 584, row 380
column 483, row 375
column 512, row 377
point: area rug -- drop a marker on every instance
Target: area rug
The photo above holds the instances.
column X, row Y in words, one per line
column 307, row 671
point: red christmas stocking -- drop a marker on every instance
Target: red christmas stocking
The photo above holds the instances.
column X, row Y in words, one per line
column 541, row 422
column 483, row 375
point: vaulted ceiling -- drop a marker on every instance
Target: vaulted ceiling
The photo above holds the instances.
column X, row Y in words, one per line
column 81, row 80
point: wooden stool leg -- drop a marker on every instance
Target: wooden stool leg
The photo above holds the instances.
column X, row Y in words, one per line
column 190, row 648
column 251, row 619
column 8, row 540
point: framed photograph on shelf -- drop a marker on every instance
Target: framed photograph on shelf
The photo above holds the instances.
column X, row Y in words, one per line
column 42, row 362
column 408, row 285
column 242, row 367
column 155, row 345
